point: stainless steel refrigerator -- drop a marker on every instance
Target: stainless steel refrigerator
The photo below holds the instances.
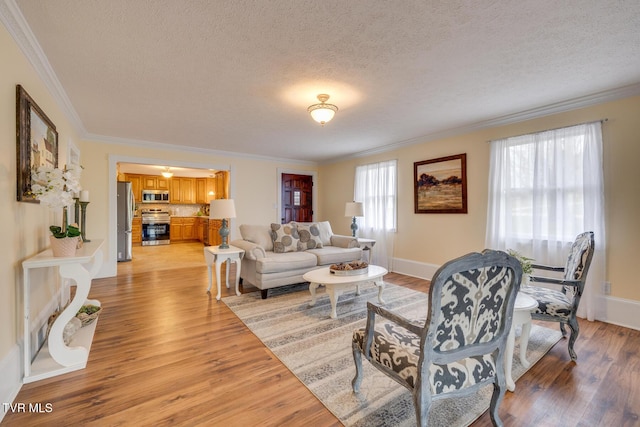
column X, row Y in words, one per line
column 126, row 209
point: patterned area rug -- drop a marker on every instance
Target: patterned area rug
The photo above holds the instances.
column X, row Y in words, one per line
column 317, row 350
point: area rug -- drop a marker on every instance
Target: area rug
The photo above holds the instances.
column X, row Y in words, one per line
column 317, row 350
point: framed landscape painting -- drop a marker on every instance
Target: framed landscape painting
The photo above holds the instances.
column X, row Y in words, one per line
column 36, row 142
column 440, row 185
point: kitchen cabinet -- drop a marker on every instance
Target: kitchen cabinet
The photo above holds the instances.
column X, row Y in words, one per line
column 183, row 190
column 182, row 228
column 214, row 232
column 150, row 182
column 136, row 230
column 136, row 185
column 205, row 190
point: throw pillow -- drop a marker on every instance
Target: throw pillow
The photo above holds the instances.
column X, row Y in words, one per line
column 309, row 236
column 285, row 238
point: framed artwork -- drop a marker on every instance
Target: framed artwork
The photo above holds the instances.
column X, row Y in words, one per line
column 440, row 185
column 36, row 142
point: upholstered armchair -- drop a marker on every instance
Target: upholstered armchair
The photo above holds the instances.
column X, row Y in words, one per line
column 561, row 304
column 460, row 347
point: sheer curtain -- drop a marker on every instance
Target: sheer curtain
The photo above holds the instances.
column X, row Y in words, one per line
column 376, row 187
column 544, row 190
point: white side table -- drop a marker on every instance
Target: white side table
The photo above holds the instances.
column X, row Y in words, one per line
column 521, row 316
column 213, row 255
column 55, row 357
column 366, row 245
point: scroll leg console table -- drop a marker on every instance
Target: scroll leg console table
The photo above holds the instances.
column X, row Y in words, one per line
column 55, row 357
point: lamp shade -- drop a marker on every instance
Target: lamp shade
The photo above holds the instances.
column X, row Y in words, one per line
column 323, row 112
column 222, row 208
column 354, row 209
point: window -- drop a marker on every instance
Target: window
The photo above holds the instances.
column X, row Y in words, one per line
column 376, row 186
column 544, row 190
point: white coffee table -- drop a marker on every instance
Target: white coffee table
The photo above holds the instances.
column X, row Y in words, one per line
column 521, row 316
column 336, row 284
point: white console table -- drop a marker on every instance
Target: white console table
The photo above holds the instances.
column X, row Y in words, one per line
column 55, row 357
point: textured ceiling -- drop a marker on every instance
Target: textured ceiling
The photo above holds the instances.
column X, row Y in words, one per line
column 238, row 76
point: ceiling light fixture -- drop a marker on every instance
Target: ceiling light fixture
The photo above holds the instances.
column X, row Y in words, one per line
column 322, row 113
column 166, row 173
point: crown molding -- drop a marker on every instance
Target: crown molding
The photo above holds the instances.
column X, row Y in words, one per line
column 17, row 26
column 172, row 147
column 534, row 113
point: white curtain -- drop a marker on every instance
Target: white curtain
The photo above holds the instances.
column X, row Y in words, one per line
column 376, row 187
column 544, row 190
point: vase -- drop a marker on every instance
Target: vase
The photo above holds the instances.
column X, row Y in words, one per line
column 65, row 247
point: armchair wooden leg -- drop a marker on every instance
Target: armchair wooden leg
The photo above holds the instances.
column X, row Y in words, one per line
column 496, row 399
column 357, row 358
column 575, row 330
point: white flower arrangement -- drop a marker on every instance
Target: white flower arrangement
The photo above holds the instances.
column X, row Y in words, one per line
column 55, row 187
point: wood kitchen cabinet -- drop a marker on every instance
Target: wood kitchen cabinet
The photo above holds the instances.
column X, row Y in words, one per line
column 214, row 232
column 136, row 185
column 183, row 190
column 182, row 229
column 205, row 190
column 136, row 231
column 150, row 182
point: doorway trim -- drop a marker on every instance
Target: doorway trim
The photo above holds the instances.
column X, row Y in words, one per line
column 110, row 265
column 314, row 190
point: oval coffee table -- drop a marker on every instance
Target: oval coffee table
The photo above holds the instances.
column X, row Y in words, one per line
column 337, row 284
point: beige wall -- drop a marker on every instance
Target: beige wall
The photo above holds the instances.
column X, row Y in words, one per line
column 25, row 224
column 436, row 238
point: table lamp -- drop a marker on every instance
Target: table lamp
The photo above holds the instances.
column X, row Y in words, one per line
column 354, row 209
column 222, row 209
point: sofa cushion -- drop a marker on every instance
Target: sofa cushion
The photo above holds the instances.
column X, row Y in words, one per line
column 332, row 255
column 282, row 262
column 285, row 238
column 309, row 236
column 258, row 234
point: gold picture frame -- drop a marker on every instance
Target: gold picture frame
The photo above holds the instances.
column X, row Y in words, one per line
column 440, row 185
column 36, row 143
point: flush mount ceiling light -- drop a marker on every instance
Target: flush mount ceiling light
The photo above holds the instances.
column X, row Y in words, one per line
column 322, row 113
column 166, row 173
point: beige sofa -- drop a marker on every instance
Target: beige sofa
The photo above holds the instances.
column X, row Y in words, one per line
column 269, row 263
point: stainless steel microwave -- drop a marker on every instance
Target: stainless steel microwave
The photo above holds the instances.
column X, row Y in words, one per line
column 155, row 196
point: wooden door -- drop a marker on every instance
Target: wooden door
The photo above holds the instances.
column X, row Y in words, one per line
column 297, row 198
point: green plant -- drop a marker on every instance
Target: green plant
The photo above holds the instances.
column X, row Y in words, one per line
column 524, row 261
column 71, row 231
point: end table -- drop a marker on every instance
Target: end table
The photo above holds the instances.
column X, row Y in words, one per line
column 213, row 255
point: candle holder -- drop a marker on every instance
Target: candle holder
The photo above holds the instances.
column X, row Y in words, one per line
column 83, row 208
column 76, row 211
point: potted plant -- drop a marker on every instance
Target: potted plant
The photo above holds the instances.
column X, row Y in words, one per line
column 525, row 262
column 56, row 188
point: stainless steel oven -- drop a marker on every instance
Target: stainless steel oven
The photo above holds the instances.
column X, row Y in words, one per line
column 156, row 226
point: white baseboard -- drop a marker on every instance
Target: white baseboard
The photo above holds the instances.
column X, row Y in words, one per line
column 11, row 374
column 414, row 268
column 617, row 311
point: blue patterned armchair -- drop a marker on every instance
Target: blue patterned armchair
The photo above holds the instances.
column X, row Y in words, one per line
column 460, row 347
column 561, row 305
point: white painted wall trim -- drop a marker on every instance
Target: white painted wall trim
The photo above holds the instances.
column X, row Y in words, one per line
column 11, row 373
column 617, row 311
column 414, row 268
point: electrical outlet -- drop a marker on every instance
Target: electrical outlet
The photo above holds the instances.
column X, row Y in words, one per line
column 606, row 288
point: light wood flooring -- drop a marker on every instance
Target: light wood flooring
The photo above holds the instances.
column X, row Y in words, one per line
column 167, row 353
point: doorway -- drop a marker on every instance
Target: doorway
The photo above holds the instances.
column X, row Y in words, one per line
column 297, row 198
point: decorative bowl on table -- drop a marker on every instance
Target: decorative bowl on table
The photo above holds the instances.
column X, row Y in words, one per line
column 352, row 268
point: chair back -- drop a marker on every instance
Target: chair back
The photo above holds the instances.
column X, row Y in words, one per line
column 471, row 305
column 580, row 257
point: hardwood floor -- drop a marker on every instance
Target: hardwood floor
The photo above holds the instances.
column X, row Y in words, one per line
column 167, row 353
